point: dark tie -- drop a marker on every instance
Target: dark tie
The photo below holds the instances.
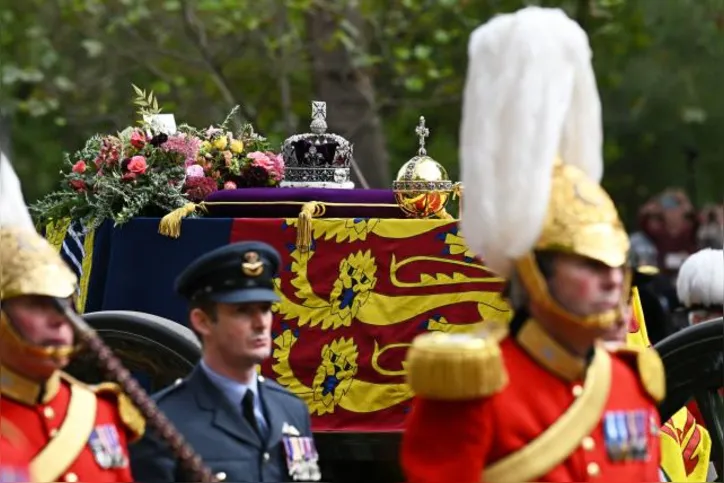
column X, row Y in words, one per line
column 247, row 406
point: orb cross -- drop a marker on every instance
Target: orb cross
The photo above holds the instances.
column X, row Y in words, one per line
column 422, row 132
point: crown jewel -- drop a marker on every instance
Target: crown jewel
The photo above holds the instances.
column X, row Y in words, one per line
column 318, row 159
column 422, row 187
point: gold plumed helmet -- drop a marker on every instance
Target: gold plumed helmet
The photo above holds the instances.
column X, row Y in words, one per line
column 29, row 265
column 531, row 152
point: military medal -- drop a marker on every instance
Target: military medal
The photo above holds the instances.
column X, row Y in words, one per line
column 626, row 435
column 293, row 450
column 311, row 468
column 11, row 474
column 611, row 436
column 301, row 455
column 105, row 444
column 641, row 441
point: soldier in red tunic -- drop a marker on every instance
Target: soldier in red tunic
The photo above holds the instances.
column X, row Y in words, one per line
column 73, row 431
column 542, row 399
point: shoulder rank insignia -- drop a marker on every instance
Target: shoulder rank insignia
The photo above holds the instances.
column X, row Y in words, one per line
column 649, row 367
column 455, row 366
column 130, row 415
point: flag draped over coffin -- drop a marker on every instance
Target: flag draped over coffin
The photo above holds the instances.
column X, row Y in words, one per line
column 351, row 303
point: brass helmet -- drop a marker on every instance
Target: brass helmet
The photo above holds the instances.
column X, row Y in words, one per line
column 29, row 265
column 531, row 153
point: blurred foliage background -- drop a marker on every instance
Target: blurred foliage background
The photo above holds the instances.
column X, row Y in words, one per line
column 66, row 69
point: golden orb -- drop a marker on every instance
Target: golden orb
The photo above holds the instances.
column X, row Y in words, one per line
column 422, row 186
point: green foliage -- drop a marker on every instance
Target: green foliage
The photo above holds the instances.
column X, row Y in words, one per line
column 147, row 103
column 64, row 71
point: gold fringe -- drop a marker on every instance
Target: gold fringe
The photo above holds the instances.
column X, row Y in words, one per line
column 309, row 210
column 171, row 224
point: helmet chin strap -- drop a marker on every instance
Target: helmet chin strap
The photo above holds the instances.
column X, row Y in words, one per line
column 12, row 335
column 539, row 293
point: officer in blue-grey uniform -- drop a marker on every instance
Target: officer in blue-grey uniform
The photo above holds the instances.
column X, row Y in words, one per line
column 245, row 427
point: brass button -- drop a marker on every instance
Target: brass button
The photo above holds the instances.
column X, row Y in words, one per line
column 593, row 469
column 71, row 478
column 49, row 413
column 266, row 456
column 588, row 443
column 221, row 476
column 53, row 432
column 577, row 390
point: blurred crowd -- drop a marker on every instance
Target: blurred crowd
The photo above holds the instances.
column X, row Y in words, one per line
column 670, row 228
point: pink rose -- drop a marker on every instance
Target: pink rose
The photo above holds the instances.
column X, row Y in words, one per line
column 138, row 140
column 229, row 185
column 272, row 163
column 80, row 167
column 137, row 165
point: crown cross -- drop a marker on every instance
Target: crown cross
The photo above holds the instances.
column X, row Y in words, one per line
column 422, row 132
column 319, row 117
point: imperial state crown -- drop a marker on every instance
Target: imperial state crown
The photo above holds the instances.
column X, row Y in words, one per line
column 318, row 159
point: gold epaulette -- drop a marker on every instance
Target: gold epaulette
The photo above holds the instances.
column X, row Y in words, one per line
column 649, row 367
column 130, row 415
column 455, row 367
column 128, row 412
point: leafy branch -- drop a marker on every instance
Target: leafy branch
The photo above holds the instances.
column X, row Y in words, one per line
column 147, row 103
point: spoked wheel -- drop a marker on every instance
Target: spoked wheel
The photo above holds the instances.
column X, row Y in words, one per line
column 157, row 351
column 694, row 362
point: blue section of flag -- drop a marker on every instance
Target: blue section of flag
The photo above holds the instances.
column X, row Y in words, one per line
column 134, row 267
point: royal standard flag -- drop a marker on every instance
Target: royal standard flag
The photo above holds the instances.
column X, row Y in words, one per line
column 685, row 445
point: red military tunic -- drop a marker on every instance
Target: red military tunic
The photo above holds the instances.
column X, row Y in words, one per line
column 74, row 432
column 448, row 441
column 14, row 455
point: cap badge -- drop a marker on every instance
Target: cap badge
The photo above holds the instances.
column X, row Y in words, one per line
column 252, row 266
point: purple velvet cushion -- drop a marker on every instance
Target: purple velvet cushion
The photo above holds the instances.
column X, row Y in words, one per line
column 263, row 197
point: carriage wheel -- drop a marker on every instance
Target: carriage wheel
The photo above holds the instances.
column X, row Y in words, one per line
column 157, row 351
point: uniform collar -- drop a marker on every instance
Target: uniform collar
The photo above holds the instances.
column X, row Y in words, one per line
column 27, row 391
column 531, row 336
column 235, row 390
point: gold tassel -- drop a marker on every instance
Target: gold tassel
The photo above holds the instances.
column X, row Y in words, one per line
column 444, row 215
column 458, row 193
column 171, row 224
column 304, row 225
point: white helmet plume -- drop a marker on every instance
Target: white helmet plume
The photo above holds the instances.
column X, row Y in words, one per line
column 701, row 279
column 530, row 97
column 13, row 210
